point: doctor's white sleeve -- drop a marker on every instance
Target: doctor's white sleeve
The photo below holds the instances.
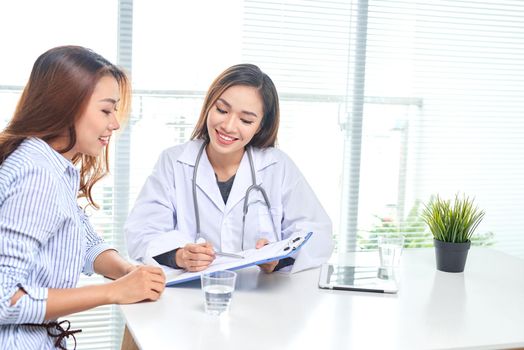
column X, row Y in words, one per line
column 150, row 227
column 302, row 212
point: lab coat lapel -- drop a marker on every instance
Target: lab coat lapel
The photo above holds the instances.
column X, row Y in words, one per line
column 207, row 183
column 240, row 185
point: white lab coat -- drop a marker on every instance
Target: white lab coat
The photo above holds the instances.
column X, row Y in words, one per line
column 163, row 217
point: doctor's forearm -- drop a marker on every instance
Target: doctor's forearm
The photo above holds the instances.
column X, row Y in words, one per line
column 284, row 262
column 168, row 259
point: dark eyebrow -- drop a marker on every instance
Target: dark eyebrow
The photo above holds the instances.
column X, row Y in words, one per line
column 244, row 112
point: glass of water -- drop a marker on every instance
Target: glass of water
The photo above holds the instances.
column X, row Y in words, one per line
column 218, row 287
column 390, row 249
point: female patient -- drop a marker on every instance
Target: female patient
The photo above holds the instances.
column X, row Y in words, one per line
column 52, row 152
column 198, row 189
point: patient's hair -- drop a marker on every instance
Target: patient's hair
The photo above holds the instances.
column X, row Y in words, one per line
column 55, row 97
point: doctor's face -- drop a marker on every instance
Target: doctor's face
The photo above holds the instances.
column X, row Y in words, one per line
column 234, row 120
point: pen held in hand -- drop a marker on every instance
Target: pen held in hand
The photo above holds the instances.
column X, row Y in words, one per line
column 231, row 255
column 201, row 240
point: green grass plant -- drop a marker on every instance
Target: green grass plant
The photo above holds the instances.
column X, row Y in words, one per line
column 452, row 223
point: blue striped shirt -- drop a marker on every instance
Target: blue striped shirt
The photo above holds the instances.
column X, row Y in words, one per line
column 46, row 240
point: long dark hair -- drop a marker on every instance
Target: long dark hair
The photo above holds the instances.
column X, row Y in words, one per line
column 247, row 75
column 56, row 95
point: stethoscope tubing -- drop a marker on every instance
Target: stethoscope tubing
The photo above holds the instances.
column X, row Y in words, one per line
column 254, row 186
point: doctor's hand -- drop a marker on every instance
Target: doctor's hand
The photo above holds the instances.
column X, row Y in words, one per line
column 270, row 266
column 195, row 256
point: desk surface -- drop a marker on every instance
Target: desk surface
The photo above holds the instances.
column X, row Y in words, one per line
column 482, row 308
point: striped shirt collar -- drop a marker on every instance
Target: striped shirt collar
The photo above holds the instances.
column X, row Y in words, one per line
column 60, row 162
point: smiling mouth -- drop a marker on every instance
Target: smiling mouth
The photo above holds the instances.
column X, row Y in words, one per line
column 224, row 139
column 104, row 139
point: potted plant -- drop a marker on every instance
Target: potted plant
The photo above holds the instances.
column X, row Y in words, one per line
column 452, row 226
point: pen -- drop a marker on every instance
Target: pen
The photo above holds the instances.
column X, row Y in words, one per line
column 231, row 255
column 201, row 240
column 358, row 289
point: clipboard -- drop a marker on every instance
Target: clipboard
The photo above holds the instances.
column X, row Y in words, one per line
column 271, row 252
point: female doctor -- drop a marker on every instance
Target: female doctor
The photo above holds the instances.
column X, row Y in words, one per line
column 194, row 203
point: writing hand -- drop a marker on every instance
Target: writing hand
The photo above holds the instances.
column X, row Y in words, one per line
column 195, row 256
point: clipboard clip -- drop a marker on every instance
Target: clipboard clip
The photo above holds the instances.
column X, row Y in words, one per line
column 293, row 244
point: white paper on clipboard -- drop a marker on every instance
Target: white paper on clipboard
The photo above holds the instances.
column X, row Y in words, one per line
column 271, row 252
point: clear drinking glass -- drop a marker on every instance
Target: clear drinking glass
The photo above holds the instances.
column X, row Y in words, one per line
column 218, row 287
column 390, row 250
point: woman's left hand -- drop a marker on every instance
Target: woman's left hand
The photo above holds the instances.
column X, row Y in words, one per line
column 270, row 266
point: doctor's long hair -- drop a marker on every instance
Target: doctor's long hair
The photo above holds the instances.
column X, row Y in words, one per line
column 246, row 75
column 57, row 94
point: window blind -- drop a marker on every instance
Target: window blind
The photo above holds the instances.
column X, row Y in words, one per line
column 442, row 114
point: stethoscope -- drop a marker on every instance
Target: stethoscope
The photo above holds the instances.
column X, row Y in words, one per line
column 253, row 187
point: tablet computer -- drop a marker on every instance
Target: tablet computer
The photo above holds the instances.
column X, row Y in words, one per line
column 357, row 278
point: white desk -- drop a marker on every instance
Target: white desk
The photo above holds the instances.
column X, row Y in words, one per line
column 482, row 308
